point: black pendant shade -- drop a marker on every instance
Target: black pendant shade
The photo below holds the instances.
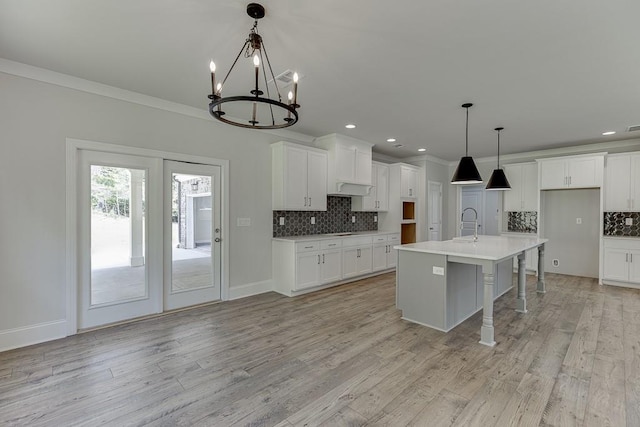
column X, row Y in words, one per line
column 498, row 180
column 467, row 172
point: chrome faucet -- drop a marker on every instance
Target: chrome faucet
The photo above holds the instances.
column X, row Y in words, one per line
column 475, row 222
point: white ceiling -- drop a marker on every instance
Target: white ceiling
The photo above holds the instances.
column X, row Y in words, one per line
column 553, row 73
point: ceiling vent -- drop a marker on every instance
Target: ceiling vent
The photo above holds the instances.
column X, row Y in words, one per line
column 286, row 78
column 398, row 145
column 633, row 128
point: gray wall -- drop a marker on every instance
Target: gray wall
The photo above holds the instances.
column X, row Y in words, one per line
column 576, row 246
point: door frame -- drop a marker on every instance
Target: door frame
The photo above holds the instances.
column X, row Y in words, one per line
column 72, row 234
column 429, row 184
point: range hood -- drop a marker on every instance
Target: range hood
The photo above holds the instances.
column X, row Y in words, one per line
column 349, row 189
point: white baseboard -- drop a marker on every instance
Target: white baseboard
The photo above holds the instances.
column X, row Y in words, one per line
column 33, row 334
column 250, row 289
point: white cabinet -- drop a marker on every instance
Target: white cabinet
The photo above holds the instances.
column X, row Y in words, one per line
column 298, row 177
column 349, row 164
column 378, row 198
column 622, row 261
column 571, row 172
column 357, row 256
column 384, row 256
column 408, row 182
column 622, row 183
column 317, row 263
column 523, row 196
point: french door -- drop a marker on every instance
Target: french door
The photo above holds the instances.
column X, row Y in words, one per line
column 192, row 230
column 149, row 236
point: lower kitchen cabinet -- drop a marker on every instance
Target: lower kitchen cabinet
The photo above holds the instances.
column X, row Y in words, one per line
column 300, row 265
column 622, row 262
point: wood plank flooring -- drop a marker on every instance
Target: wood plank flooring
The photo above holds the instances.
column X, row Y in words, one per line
column 338, row 357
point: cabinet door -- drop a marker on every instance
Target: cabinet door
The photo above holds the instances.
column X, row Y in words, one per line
column 295, row 183
column 584, row 172
column 512, row 200
column 363, row 166
column 634, row 266
column 408, row 181
column 365, row 260
column 307, row 270
column 380, row 256
column 553, row 174
column 370, row 202
column 317, row 181
column 331, row 266
column 616, row 266
column 617, row 185
column 635, row 183
column 382, row 188
column 349, row 262
column 391, row 256
column 345, row 163
column 529, row 187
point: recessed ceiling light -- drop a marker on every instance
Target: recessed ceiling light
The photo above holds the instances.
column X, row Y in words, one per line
column 391, row 140
column 350, row 126
column 422, row 149
column 609, row 132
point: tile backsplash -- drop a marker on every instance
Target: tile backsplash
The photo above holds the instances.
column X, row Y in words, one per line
column 336, row 219
column 615, row 224
column 522, row 222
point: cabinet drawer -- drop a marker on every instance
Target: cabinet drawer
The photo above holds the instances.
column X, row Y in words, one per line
column 393, row 238
column 624, row 243
column 357, row 241
column 330, row 244
column 307, row 246
column 380, row 238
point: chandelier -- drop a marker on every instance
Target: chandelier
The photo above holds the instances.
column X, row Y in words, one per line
column 254, row 111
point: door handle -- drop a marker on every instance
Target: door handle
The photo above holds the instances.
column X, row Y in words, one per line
column 217, row 240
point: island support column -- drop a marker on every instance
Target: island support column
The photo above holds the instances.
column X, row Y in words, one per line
column 521, row 302
column 541, row 289
column 486, row 332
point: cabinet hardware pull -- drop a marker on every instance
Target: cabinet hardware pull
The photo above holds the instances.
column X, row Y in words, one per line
column 332, row 244
column 318, row 259
column 309, row 201
column 630, row 257
column 626, row 257
column 305, row 201
column 569, row 180
column 323, row 258
column 308, row 247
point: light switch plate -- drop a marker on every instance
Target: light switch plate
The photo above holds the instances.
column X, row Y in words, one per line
column 244, row 222
column 628, row 221
column 578, row 220
column 438, row 271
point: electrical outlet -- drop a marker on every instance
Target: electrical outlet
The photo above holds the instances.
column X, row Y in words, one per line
column 244, row 222
column 375, row 218
column 353, row 219
column 281, row 220
column 628, row 221
column 438, row 271
column 556, row 263
column 578, row 220
column 313, row 220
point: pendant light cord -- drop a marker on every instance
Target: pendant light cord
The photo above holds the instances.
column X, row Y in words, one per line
column 466, row 147
column 498, row 166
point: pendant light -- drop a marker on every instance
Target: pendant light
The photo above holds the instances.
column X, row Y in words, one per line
column 498, row 180
column 467, row 172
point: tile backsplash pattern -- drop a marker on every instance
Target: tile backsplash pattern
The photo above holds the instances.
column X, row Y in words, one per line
column 614, row 224
column 522, row 222
column 337, row 219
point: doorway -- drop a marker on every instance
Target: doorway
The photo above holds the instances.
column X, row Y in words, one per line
column 487, row 205
column 149, row 236
column 434, row 210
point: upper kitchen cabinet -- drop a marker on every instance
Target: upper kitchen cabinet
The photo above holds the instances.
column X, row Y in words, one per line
column 408, row 181
column 622, row 183
column 299, row 177
column 571, row 172
column 378, row 198
column 349, row 171
column 523, row 196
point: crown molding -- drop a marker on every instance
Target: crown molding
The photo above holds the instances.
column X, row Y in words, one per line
column 429, row 158
column 64, row 80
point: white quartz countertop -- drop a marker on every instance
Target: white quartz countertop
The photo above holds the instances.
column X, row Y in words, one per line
column 492, row 248
column 333, row 235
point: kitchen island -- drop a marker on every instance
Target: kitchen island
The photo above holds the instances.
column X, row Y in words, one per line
column 442, row 283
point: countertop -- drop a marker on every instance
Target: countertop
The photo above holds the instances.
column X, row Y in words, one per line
column 310, row 237
column 492, row 248
column 621, row 237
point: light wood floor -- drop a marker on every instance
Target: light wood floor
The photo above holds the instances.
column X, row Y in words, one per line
column 342, row 357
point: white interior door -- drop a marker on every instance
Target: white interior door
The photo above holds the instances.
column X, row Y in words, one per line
column 193, row 234
column 472, row 197
column 119, row 211
column 435, row 210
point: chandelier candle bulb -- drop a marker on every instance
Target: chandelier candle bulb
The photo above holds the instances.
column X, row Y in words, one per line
column 290, row 96
column 256, row 63
column 212, row 67
column 295, row 90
